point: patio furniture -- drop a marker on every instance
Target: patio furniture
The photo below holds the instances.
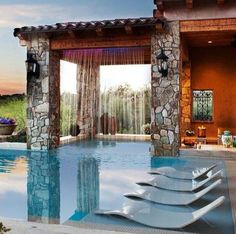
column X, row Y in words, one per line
column 164, row 182
column 168, row 197
column 177, row 174
column 148, row 214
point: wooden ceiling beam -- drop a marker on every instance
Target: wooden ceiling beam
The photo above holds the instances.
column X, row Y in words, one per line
column 189, row 4
column 78, row 43
column 220, row 2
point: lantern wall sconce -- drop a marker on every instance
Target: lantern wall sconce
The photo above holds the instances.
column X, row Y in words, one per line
column 32, row 65
column 162, row 63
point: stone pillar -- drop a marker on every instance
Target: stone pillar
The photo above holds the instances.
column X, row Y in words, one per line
column 88, row 97
column 43, row 95
column 165, row 93
column 185, row 103
column 43, row 188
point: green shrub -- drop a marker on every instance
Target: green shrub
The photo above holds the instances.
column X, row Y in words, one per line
column 14, row 108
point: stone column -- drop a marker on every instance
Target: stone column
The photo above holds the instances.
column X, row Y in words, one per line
column 88, row 97
column 43, row 95
column 186, row 98
column 165, row 93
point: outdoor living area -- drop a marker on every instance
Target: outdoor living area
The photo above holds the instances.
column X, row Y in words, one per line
column 208, row 84
column 188, row 49
column 150, row 104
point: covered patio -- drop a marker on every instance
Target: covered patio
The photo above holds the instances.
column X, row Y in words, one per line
column 208, row 79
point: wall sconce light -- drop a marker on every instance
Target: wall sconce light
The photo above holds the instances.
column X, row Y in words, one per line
column 32, row 65
column 163, row 65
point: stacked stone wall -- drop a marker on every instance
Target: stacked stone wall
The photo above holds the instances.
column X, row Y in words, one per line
column 43, row 97
column 88, row 98
column 165, row 112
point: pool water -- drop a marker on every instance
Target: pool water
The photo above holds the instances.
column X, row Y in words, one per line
column 67, row 184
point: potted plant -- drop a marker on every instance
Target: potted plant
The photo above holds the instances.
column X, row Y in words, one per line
column 7, row 126
column 147, row 128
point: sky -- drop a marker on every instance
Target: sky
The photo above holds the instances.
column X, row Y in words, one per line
column 115, row 75
column 19, row 13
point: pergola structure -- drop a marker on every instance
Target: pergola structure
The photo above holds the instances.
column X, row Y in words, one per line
column 177, row 27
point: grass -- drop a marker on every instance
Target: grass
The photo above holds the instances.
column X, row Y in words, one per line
column 14, row 108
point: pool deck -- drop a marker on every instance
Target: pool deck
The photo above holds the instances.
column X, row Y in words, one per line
column 215, row 151
column 208, row 151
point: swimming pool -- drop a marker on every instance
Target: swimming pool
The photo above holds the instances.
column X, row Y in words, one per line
column 67, row 184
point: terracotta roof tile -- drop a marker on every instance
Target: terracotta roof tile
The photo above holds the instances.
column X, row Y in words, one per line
column 91, row 25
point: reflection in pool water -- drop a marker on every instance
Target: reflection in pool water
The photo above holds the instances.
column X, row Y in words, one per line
column 43, row 188
column 67, row 184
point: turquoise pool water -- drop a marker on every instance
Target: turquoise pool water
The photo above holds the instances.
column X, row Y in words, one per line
column 67, row 184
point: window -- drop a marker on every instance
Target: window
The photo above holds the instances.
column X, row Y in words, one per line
column 202, row 105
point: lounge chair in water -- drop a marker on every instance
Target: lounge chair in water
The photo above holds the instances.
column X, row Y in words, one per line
column 187, row 175
column 168, row 197
column 164, row 182
column 147, row 214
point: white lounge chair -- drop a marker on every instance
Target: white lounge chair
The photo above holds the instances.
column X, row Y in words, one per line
column 147, row 214
column 164, row 182
column 177, row 174
column 168, row 197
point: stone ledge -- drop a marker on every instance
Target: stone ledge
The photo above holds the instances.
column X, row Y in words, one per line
column 70, row 139
column 117, row 137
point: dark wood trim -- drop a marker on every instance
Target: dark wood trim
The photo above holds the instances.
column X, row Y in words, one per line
column 208, row 25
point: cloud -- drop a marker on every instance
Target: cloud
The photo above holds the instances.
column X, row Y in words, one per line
column 18, row 15
column 21, row 15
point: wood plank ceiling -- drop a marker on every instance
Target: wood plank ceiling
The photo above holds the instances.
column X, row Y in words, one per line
column 202, row 39
column 214, row 32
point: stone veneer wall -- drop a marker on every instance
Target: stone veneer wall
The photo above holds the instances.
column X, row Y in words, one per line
column 43, row 94
column 43, row 188
column 88, row 98
column 165, row 93
column 185, row 103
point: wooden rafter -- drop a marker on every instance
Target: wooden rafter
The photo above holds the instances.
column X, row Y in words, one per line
column 72, row 33
column 189, row 4
column 160, row 8
column 220, row 2
column 100, row 32
column 128, row 30
column 159, row 4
